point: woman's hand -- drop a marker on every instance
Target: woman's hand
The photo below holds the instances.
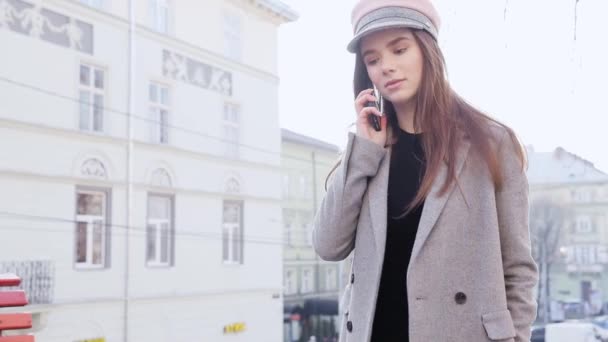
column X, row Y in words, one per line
column 364, row 126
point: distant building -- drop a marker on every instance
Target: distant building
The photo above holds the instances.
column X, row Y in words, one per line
column 311, row 285
column 580, row 264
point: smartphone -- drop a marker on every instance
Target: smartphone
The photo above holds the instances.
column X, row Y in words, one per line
column 373, row 118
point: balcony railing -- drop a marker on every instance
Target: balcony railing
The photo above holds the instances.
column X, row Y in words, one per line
column 37, row 278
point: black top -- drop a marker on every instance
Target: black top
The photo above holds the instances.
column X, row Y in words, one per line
column 406, row 171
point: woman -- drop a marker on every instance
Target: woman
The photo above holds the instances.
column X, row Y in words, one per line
column 434, row 204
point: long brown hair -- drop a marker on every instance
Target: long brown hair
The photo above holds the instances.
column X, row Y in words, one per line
column 444, row 117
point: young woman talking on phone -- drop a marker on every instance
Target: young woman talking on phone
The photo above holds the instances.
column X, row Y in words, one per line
column 434, row 204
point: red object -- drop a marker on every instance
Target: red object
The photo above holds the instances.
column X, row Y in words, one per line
column 13, row 298
column 15, row 321
column 21, row 338
column 9, row 280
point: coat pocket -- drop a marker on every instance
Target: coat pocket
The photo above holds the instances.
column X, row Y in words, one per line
column 499, row 325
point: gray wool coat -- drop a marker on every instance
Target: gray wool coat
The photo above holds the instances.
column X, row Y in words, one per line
column 471, row 275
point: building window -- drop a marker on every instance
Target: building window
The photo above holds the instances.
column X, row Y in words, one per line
column 232, row 36
column 231, row 121
column 232, row 232
column 160, row 232
column 285, row 186
column 308, row 232
column 307, row 280
column 288, row 234
column 289, row 224
column 585, row 254
column 290, row 282
column 584, row 225
column 305, row 184
column 302, row 182
column 159, row 15
column 582, row 195
column 159, row 112
column 330, row 279
column 602, row 254
column 93, row 3
column 91, row 96
column 91, row 228
column 306, row 221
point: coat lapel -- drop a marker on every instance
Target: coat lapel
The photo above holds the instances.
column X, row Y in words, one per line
column 434, row 203
column 378, row 192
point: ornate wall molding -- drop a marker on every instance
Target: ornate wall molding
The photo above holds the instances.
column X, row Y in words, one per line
column 191, row 71
column 233, row 186
column 161, row 178
column 94, row 168
column 233, row 183
column 41, row 23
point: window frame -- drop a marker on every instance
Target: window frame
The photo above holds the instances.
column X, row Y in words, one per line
column 285, row 183
column 331, row 279
column 92, row 91
column 289, row 225
column 229, row 230
column 97, row 4
column 155, row 109
column 231, row 121
column 89, row 219
column 309, row 288
column 155, row 8
column 291, row 282
column 589, row 229
column 158, row 262
column 232, row 29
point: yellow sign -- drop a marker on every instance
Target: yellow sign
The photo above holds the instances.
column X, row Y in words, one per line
column 234, row 328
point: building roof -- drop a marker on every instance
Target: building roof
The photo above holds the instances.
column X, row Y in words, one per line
column 290, row 136
column 277, row 7
column 561, row 167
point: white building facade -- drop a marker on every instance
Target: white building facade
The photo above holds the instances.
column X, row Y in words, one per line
column 141, row 196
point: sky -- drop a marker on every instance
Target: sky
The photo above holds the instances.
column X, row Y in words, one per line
column 522, row 66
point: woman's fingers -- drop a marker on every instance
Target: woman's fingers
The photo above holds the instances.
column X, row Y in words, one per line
column 365, row 92
column 366, row 111
column 364, row 99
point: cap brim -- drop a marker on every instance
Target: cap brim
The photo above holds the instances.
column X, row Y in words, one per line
column 353, row 45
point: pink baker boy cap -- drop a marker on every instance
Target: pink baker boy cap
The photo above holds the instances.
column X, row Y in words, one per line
column 374, row 15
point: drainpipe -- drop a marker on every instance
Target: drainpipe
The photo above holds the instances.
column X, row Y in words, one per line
column 129, row 211
column 314, row 209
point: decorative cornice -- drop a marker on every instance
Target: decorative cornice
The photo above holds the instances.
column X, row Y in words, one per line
column 278, row 8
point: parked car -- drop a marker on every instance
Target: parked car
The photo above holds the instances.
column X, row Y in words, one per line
column 574, row 309
column 601, row 326
column 538, row 333
column 574, row 331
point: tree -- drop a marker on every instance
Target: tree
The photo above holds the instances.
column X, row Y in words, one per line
column 547, row 219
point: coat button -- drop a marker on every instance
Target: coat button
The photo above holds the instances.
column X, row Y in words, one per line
column 349, row 326
column 352, row 278
column 460, row 298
